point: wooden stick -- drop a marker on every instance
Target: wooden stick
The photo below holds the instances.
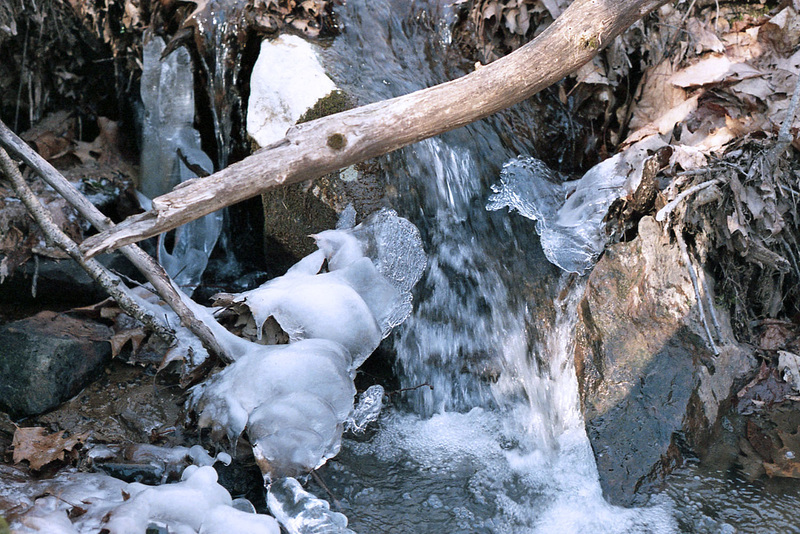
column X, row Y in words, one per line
column 109, row 281
column 151, row 270
column 330, row 143
column 687, row 260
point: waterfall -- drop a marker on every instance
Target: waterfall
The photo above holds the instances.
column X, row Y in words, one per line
column 497, row 444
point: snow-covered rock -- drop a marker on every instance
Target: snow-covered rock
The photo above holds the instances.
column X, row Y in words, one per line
column 287, row 80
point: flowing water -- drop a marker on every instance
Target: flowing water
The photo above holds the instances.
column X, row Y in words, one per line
column 497, row 443
column 489, row 437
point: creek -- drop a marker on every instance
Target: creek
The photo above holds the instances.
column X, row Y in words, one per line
column 495, row 442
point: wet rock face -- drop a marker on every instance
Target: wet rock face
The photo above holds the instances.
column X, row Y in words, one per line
column 649, row 385
column 293, row 212
column 47, row 359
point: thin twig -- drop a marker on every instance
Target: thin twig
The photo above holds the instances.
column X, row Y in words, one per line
column 688, row 262
column 318, row 479
column 151, row 270
column 111, row 283
column 712, row 311
column 662, row 214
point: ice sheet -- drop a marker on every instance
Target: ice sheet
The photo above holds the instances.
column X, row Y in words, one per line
column 197, row 504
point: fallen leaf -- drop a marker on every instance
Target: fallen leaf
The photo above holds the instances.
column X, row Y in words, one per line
column 766, row 389
column 39, row 449
column 776, row 334
column 120, row 339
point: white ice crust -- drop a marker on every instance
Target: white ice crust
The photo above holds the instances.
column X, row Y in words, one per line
column 195, row 505
column 292, row 400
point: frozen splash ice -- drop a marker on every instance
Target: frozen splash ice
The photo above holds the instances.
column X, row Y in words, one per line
column 367, row 410
column 196, row 504
column 569, row 215
column 301, row 512
column 365, row 292
column 292, row 400
column 171, row 154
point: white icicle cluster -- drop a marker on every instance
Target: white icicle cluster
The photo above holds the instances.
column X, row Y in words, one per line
column 335, row 305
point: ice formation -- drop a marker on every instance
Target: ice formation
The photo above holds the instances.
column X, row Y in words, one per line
column 367, row 410
column 287, row 80
column 301, row 512
column 569, row 215
column 365, row 293
column 170, row 151
column 75, row 502
column 292, row 400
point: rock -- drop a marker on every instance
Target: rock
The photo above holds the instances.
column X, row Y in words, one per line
column 47, row 359
column 287, row 80
column 60, row 282
column 293, row 212
column 650, row 387
column 302, row 92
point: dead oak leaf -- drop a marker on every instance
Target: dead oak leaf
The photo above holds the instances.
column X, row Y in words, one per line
column 39, row 449
column 120, row 339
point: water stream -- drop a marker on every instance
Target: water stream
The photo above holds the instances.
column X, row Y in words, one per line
column 489, row 437
column 497, row 444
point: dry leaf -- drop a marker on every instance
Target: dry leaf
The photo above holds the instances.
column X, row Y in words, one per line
column 120, row 339
column 39, row 449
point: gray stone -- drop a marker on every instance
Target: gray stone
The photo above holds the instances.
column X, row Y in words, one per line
column 48, row 358
column 650, row 387
column 60, row 282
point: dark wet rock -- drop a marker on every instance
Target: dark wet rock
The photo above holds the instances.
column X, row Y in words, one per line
column 293, row 212
column 47, row 359
column 59, row 282
column 650, row 387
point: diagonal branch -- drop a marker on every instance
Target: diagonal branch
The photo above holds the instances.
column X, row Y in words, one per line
column 330, row 143
column 109, row 281
column 151, row 270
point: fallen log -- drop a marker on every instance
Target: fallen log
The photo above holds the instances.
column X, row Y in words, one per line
column 315, row 148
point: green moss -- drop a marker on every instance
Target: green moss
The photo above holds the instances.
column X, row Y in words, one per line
column 335, row 102
column 591, row 42
column 337, row 141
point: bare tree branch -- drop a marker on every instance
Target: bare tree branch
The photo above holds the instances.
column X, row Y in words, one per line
column 330, row 143
column 109, row 281
column 151, row 270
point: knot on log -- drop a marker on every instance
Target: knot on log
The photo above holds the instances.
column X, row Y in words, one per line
column 337, row 141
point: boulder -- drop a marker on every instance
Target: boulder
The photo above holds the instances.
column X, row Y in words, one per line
column 59, row 282
column 48, row 358
column 650, row 386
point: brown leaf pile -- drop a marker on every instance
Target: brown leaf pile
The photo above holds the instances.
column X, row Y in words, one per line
column 307, row 16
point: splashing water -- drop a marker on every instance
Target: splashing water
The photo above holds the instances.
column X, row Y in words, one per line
column 497, row 444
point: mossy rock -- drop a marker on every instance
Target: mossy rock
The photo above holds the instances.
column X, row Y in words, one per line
column 293, row 212
column 336, row 102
